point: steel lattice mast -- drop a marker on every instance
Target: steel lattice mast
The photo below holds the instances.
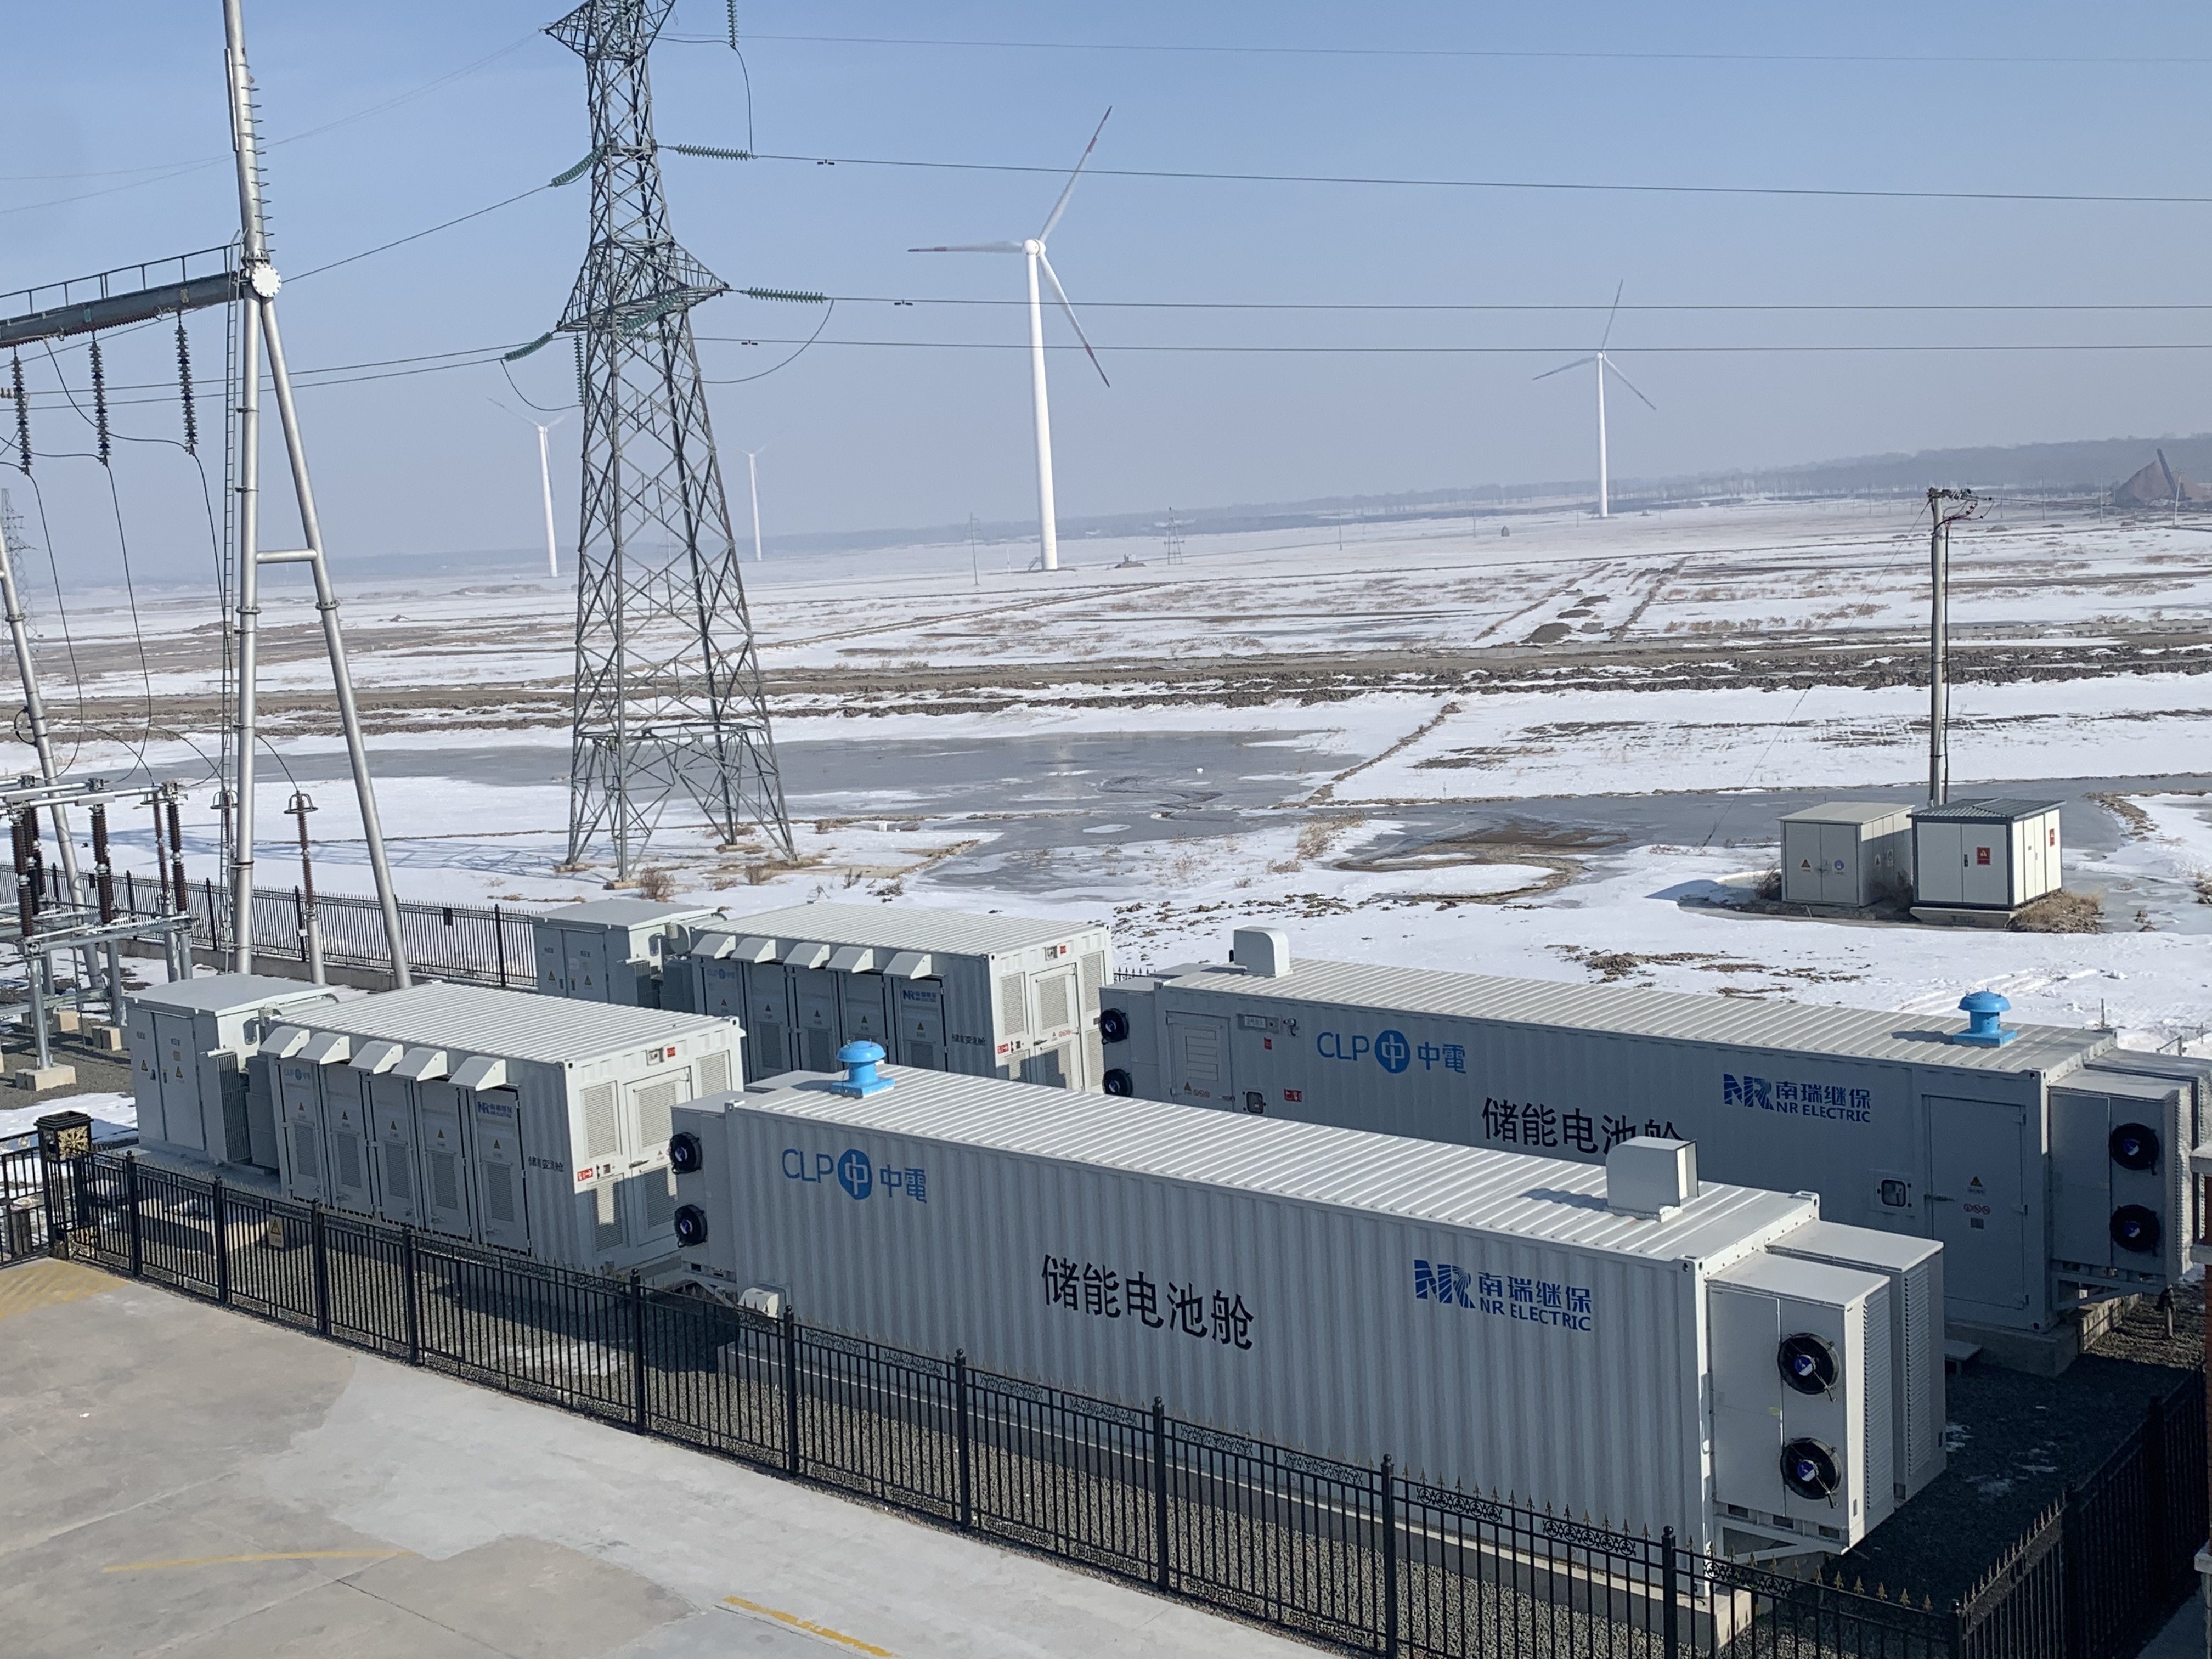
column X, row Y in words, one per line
column 668, row 696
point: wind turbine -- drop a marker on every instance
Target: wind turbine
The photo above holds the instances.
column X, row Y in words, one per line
column 1604, row 363
column 1033, row 249
column 752, row 477
column 544, row 483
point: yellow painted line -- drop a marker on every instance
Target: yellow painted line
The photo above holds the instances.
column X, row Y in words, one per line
column 236, row 1560
column 48, row 1284
column 809, row 1627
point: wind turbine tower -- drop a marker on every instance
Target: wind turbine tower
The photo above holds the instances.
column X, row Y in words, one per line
column 1033, row 250
column 668, row 699
column 1604, row 366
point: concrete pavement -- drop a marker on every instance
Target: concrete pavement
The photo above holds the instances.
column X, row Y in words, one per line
column 192, row 1482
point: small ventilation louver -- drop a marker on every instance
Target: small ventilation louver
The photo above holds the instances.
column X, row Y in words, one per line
column 445, row 1181
column 655, row 1102
column 1013, row 1007
column 306, row 1164
column 498, row 1194
column 1052, row 1003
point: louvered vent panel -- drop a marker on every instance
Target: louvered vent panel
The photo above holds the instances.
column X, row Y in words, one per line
column 654, row 1104
column 602, row 1134
column 713, row 1073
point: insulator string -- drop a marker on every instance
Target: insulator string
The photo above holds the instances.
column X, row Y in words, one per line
column 22, row 416
column 100, row 399
column 184, row 388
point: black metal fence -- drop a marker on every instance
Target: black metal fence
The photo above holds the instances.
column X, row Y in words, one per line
column 1363, row 1558
column 491, row 946
column 2112, row 1559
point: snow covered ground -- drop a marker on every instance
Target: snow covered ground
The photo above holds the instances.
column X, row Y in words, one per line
column 1345, row 813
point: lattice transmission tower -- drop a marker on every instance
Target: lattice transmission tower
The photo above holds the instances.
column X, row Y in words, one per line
column 668, row 698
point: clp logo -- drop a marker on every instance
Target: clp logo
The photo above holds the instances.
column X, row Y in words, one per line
column 855, row 1175
column 1392, row 1052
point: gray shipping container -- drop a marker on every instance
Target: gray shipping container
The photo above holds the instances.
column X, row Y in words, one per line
column 610, row 950
column 2009, row 1156
column 500, row 1117
column 1010, row 996
column 1847, row 853
column 189, row 1044
column 1484, row 1317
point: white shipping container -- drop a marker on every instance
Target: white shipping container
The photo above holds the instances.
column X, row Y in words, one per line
column 502, row 1117
column 2008, row 1153
column 1485, row 1318
column 1010, row 996
column 1993, row 854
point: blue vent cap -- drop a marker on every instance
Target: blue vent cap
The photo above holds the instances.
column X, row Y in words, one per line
column 1983, row 1009
column 860, row 1061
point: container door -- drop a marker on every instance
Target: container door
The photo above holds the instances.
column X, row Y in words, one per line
column 721, row 988
column 1985, row 863
column 500, row 1170
column 814, row 990
column 1800, row 863
column 300, row 1099
column 585, row 953
column 1840, row 880
column 1978, row 1158
column 146, row 1071
column 552, row 961
column 346, row 1128
column 771, row 1043
column 180, row 1071
column 1198, row 1060
column 861, row 996
column 444, row 1189
column 391, row 1128
column 1057, row 996
column 1936, row 874
column 921, row 1024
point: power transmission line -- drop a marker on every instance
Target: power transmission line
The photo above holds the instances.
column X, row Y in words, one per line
column 1948, row 63
column 1787, row 192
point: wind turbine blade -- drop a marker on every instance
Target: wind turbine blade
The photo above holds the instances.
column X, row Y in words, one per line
column 1610, row 315
column 1052, row 277
column 972, row 247
column 1068, row 189
column 1577, row 363
column 1630, row 384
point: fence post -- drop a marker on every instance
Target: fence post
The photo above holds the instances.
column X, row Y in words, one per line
column 791, row 1458
column 219, row 1223
column 2154, row 1494
column 2070, row 1609
column 1670, row 1631
column 1389, row 1516
column 1160, row 1492
column 131, row 1198
column 637, row 1323
column 320, row 1259
column 499, row 937
column 409, row 1285
column 960, row 1432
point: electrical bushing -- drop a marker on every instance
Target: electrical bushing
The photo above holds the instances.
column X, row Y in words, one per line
column 859, row 1059
column 1983, row 1009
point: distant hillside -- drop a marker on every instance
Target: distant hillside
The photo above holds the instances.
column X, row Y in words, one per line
column 2083, row 467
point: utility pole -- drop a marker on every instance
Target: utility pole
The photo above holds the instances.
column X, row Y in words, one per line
column 669, row 700
column 257, row 283
column 1941, row 519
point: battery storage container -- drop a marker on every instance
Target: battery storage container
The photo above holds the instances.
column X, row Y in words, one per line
column 1489, row 1319
column 610, row 950
column 190, row 1043
column 2017, row 1154
column 1009, row 996
column 507, row 1119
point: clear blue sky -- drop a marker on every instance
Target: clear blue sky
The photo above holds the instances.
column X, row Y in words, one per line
column 862, row 437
